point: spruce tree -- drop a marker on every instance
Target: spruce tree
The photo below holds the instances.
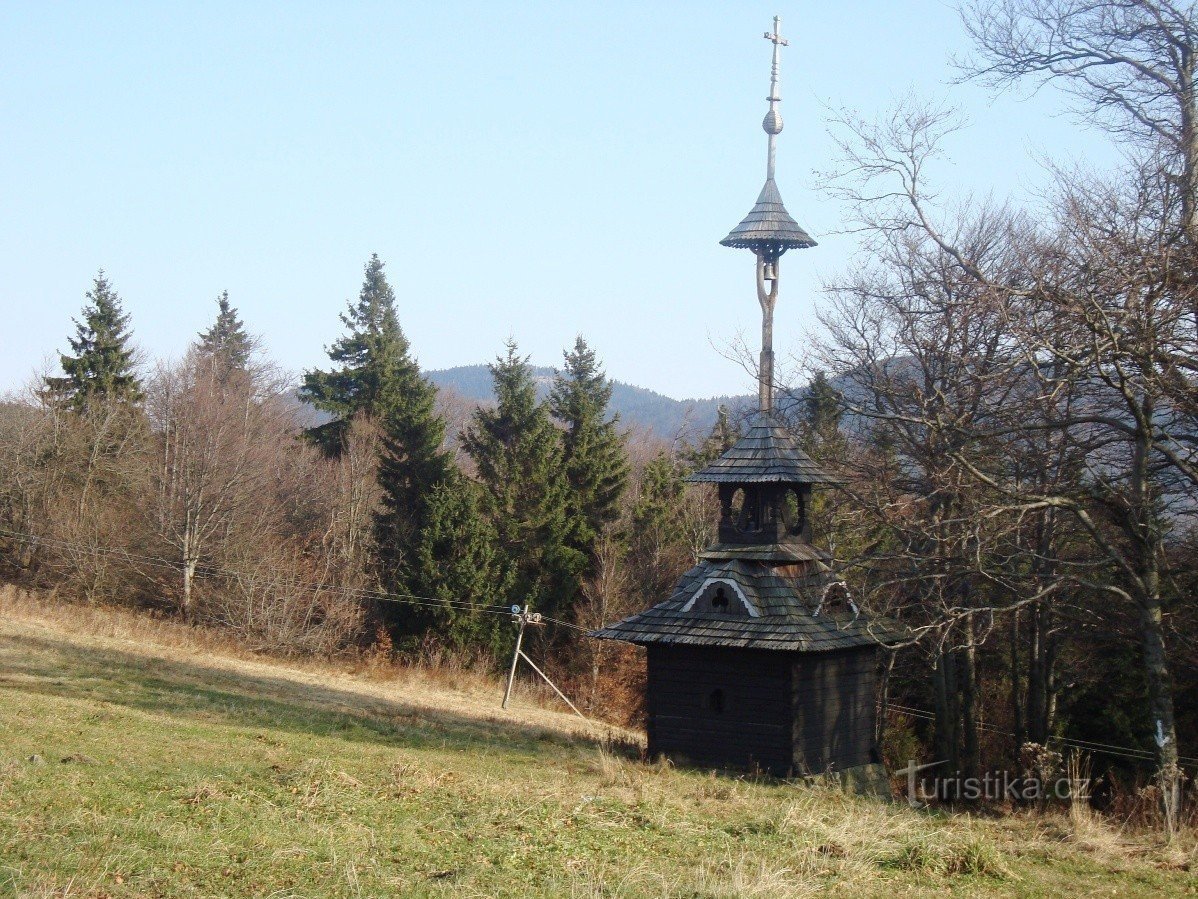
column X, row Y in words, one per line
column 371, row 360
column 656, row 526
column 656, row 508
column 517, row 452
column 413, row 464
column 721, row 438
column 821, row 414
column 377, row 377
column 819, row 426
column 455, row 562
column 596, row 463
column 227, row 344
column 101, row 369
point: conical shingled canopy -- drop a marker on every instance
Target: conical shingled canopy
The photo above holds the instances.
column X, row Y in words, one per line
column 768, row 226
column 788, row 613
column 766, row 454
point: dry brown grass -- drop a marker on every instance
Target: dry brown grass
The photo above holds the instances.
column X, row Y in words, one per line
column 351, row 778
column 449, row 690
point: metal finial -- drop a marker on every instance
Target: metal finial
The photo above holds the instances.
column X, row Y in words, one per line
column 772, row 123
column 769, row 231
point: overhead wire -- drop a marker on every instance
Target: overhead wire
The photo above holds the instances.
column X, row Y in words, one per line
column 209, row 570
column 1071, row 742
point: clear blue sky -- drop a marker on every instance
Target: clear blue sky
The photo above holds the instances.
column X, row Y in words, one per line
column 534, row 170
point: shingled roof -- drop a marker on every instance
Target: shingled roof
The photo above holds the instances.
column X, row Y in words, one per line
column 770, row 552
column 768, row 453
column 768, row 226
column 786, row 615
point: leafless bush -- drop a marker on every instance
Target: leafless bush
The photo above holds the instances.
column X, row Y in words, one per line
column 272, row 604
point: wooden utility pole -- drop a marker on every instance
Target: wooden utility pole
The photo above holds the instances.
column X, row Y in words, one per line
column 523, row 618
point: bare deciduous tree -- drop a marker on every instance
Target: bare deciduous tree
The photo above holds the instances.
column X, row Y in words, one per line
column 1129, row 63
column 1074, row 330
column 218, row 439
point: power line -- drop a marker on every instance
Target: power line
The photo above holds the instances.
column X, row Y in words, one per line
column 407, row 599
column 209, row 571
column 1106, row 748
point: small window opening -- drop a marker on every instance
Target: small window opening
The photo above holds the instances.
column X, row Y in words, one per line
column 792, row 512
column 720, row 600
column 736, row 506
column 715, row 701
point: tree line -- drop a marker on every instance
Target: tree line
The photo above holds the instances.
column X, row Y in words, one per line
column 1008, row 394
column 357, row 510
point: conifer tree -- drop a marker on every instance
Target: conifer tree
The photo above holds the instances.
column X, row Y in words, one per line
column 454, row 562
column 517, row 452
column 724, row 433
column 413, row 463
column 377, row 377
column 596, row 463
column 821, row 414
column 101, row 367
column 227, row 344
column 371, row 362
column 655, row 510
column 656, row 525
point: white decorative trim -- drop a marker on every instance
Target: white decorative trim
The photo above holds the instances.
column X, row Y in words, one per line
column 848, row 596
column 753, row 613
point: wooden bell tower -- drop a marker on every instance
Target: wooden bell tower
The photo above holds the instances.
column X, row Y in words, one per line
column 751, row 662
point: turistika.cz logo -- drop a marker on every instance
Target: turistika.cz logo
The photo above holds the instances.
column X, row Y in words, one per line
column 993, row 786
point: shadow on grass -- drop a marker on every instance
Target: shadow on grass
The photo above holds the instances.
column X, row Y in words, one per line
column 190, row 690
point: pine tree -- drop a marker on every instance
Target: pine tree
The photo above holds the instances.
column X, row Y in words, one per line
column 101, row 369
column 372, row 359
column 517, row 452
column 227, row 344
column 596, row 463
column 455, row 561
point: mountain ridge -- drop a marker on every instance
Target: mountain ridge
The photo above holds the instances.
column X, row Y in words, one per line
column 640, row 407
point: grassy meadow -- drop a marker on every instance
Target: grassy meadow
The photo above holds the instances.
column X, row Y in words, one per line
column 139, row 758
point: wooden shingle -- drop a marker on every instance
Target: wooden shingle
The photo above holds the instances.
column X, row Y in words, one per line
column 786, row 620
column 768, row 227
column 768, row 453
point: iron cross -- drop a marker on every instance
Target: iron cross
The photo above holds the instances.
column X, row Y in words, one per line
column 776, row 37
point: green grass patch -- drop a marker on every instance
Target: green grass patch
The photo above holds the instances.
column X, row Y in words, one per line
column 124, row 773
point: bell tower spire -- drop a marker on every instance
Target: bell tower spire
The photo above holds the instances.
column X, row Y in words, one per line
column 769, row 231
column 754, row 609
column 772, row 123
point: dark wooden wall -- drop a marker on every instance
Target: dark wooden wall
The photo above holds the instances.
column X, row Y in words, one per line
column 834, row 710
column 783, row 712
column 753, row 728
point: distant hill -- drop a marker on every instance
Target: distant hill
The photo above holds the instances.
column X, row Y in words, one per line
column 641, row 409
column 638, row 407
